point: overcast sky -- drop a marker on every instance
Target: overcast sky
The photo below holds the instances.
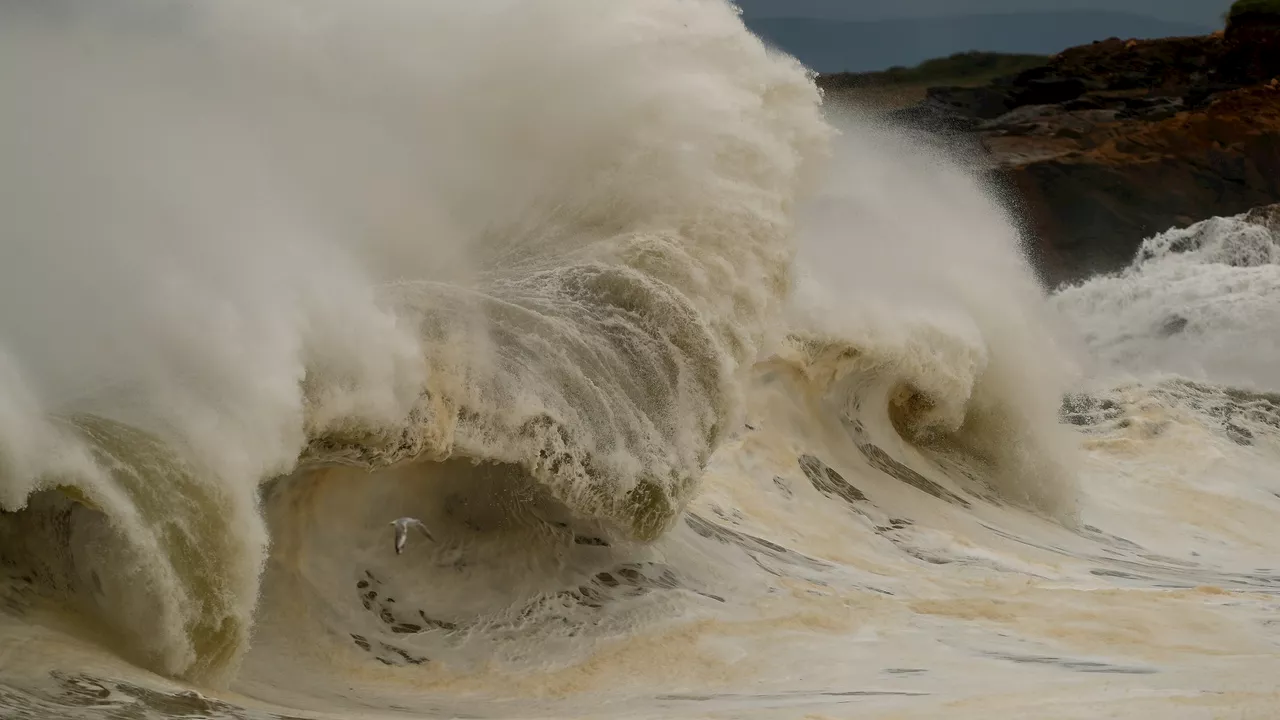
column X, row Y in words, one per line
column 1205, row 12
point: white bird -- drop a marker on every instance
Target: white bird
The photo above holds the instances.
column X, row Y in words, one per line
column 402, row 526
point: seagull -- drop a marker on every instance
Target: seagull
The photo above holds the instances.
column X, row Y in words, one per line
column 402, row 526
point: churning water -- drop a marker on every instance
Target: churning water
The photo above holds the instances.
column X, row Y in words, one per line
column 715, row 406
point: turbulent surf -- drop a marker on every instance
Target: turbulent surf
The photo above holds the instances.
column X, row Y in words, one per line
column 712, row 402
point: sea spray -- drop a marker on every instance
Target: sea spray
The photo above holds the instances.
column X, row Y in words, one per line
column 914, row 280
column 1190, row 303
column 504, row 267
column 550, row 235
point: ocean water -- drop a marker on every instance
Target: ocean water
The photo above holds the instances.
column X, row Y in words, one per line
column 716, row 404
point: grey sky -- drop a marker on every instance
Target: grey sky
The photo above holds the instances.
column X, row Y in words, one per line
column 1205, row 12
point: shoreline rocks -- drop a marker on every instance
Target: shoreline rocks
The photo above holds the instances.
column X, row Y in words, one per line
column 1112, row 142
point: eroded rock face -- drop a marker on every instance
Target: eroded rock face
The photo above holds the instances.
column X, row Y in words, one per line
column 1253, row 46
column 1093, row 191
column 1112, row 142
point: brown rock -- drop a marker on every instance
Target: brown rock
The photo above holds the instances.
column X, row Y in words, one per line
column 1252, row 43
column 980, row 102
column 1112, row 142
column 1088, row 208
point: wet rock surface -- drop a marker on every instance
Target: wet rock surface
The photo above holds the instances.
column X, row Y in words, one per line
column 1112, row 142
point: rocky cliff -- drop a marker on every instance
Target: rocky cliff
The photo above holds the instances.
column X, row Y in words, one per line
column 1112, row 142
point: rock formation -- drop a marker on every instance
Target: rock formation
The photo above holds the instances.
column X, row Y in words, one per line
column 1112, row 142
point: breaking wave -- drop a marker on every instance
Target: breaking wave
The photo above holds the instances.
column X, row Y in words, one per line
column 1190, row 301
column 337, row 235
column 282, row 272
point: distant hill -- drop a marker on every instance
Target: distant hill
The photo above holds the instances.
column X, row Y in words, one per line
column 831, row 46
column 966, row 68
column 902, row 86
column 1196, row 12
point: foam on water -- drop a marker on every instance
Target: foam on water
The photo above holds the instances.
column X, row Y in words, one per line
column 1190, row 303
column 374, row 233
column 712, row 404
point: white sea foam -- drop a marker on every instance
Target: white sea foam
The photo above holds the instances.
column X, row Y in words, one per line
column 710, row 409
column 1202, row 302
column 546, row 234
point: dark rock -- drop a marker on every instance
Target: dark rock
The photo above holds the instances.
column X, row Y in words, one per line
column 1048, row 121
column 983, row 103
column 1004, row 81
column 1112, row 142
column 1051, row 91
column 935, row 118
column 1093, row 101
column 1031, row 75
column 1199, row 96
column 1252, row 42
column 1090, row 203
column 1129, row 80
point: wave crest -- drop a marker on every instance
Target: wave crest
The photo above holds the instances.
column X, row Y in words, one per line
column 1189, row 301
column 551, row 235
column 917, row 313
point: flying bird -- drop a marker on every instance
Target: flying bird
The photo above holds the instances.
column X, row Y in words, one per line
column 402, row 526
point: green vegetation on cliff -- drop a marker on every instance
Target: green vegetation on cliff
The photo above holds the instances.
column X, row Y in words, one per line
column 1254, row 7
column 960, row 68
column 903, row 85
